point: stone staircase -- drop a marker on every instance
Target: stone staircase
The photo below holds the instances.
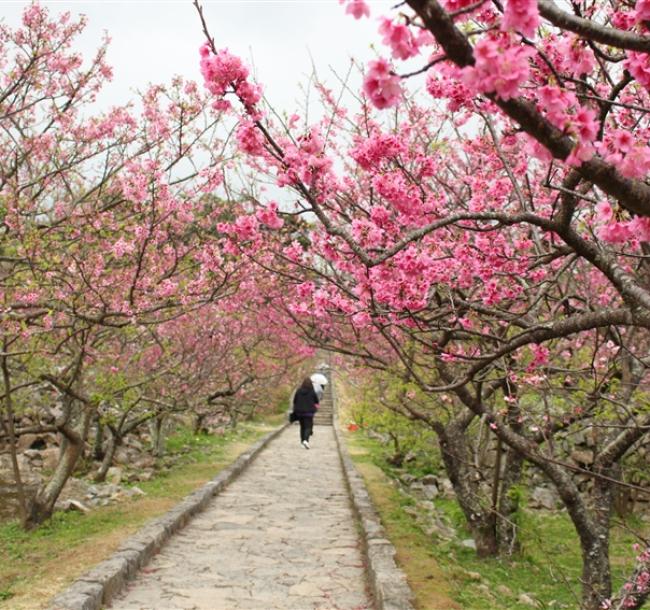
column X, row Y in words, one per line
column 325, row 414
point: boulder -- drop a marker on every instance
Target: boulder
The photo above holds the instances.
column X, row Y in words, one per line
column 50, row 458
column 133, row 492
column 430, row 492
column 446, row 488
column 527, row 600
column 114, row 475
column 146, row 475
column 122, row 456
column 33, row 455
column 544, row 497
column 469, row 543
column 583, row 457
column 73, row 505
column 25, row 441
column 131, row 441
column 412, row 511
column 144, row 461
column 407, row 478
column 429, row 479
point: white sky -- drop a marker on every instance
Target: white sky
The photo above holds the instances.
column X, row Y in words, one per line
column 154, row 40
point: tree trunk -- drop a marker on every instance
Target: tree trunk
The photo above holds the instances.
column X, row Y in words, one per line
column 198, row 424
column 113, row 443
column 480, row 519
column 596, row 571
column 42, row 504
column 596, row 574
column 98, row 444
column 509, row 504
column 158, row 435
column 11, row 433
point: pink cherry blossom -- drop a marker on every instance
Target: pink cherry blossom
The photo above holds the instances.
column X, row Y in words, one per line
column 500, row 69
column 639, row 66
column 522, row 16
column 642, row 10
column 356, row 8
column 399, row 38
column 381, row 85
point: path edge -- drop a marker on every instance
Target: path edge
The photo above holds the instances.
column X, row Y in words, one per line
column 389, row 586
column 100, row 584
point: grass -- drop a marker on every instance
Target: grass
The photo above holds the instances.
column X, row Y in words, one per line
column 414, row 552
column 547, row 569
column 39, row 564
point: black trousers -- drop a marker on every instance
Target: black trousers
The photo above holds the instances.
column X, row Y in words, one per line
column 306, row 427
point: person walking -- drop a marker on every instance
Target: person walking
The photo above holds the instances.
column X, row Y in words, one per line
column 305, row 404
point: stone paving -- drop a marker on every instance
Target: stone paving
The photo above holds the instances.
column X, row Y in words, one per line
column 280, row 537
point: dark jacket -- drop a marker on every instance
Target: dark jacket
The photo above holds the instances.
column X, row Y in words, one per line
column 305, row 403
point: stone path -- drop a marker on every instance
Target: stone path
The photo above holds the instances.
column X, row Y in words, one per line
column 280, row 537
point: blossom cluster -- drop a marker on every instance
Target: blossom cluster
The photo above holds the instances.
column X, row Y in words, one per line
column 223, row 73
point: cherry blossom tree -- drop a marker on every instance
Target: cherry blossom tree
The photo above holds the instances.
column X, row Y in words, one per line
column 106, row 233
column 481, row 241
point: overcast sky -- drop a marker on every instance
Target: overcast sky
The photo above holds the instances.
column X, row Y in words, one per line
column 154, row 40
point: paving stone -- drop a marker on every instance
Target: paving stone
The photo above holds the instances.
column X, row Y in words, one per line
column 281, row 537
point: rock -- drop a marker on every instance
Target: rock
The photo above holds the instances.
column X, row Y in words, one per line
column 145, row 461
column 416, row 486
column 146, row 475
column 429, row 479
column 526, row 599
column 583, row 456
column 543, row 497
column 75, row 505
column 436, row 527
column 109, row 490
column 134, row 442
column 114, row 475
column 503, row 590
column 33, row 455
column 134, row 491
column 430, row 492
column 427, row 505
column 125, row 456
column 50, row 458
column 473, row 575
column 447, row 489
column 411, row 510
column 469, row 544
column 25, row 442
column 407, row 478
column 74, row 488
